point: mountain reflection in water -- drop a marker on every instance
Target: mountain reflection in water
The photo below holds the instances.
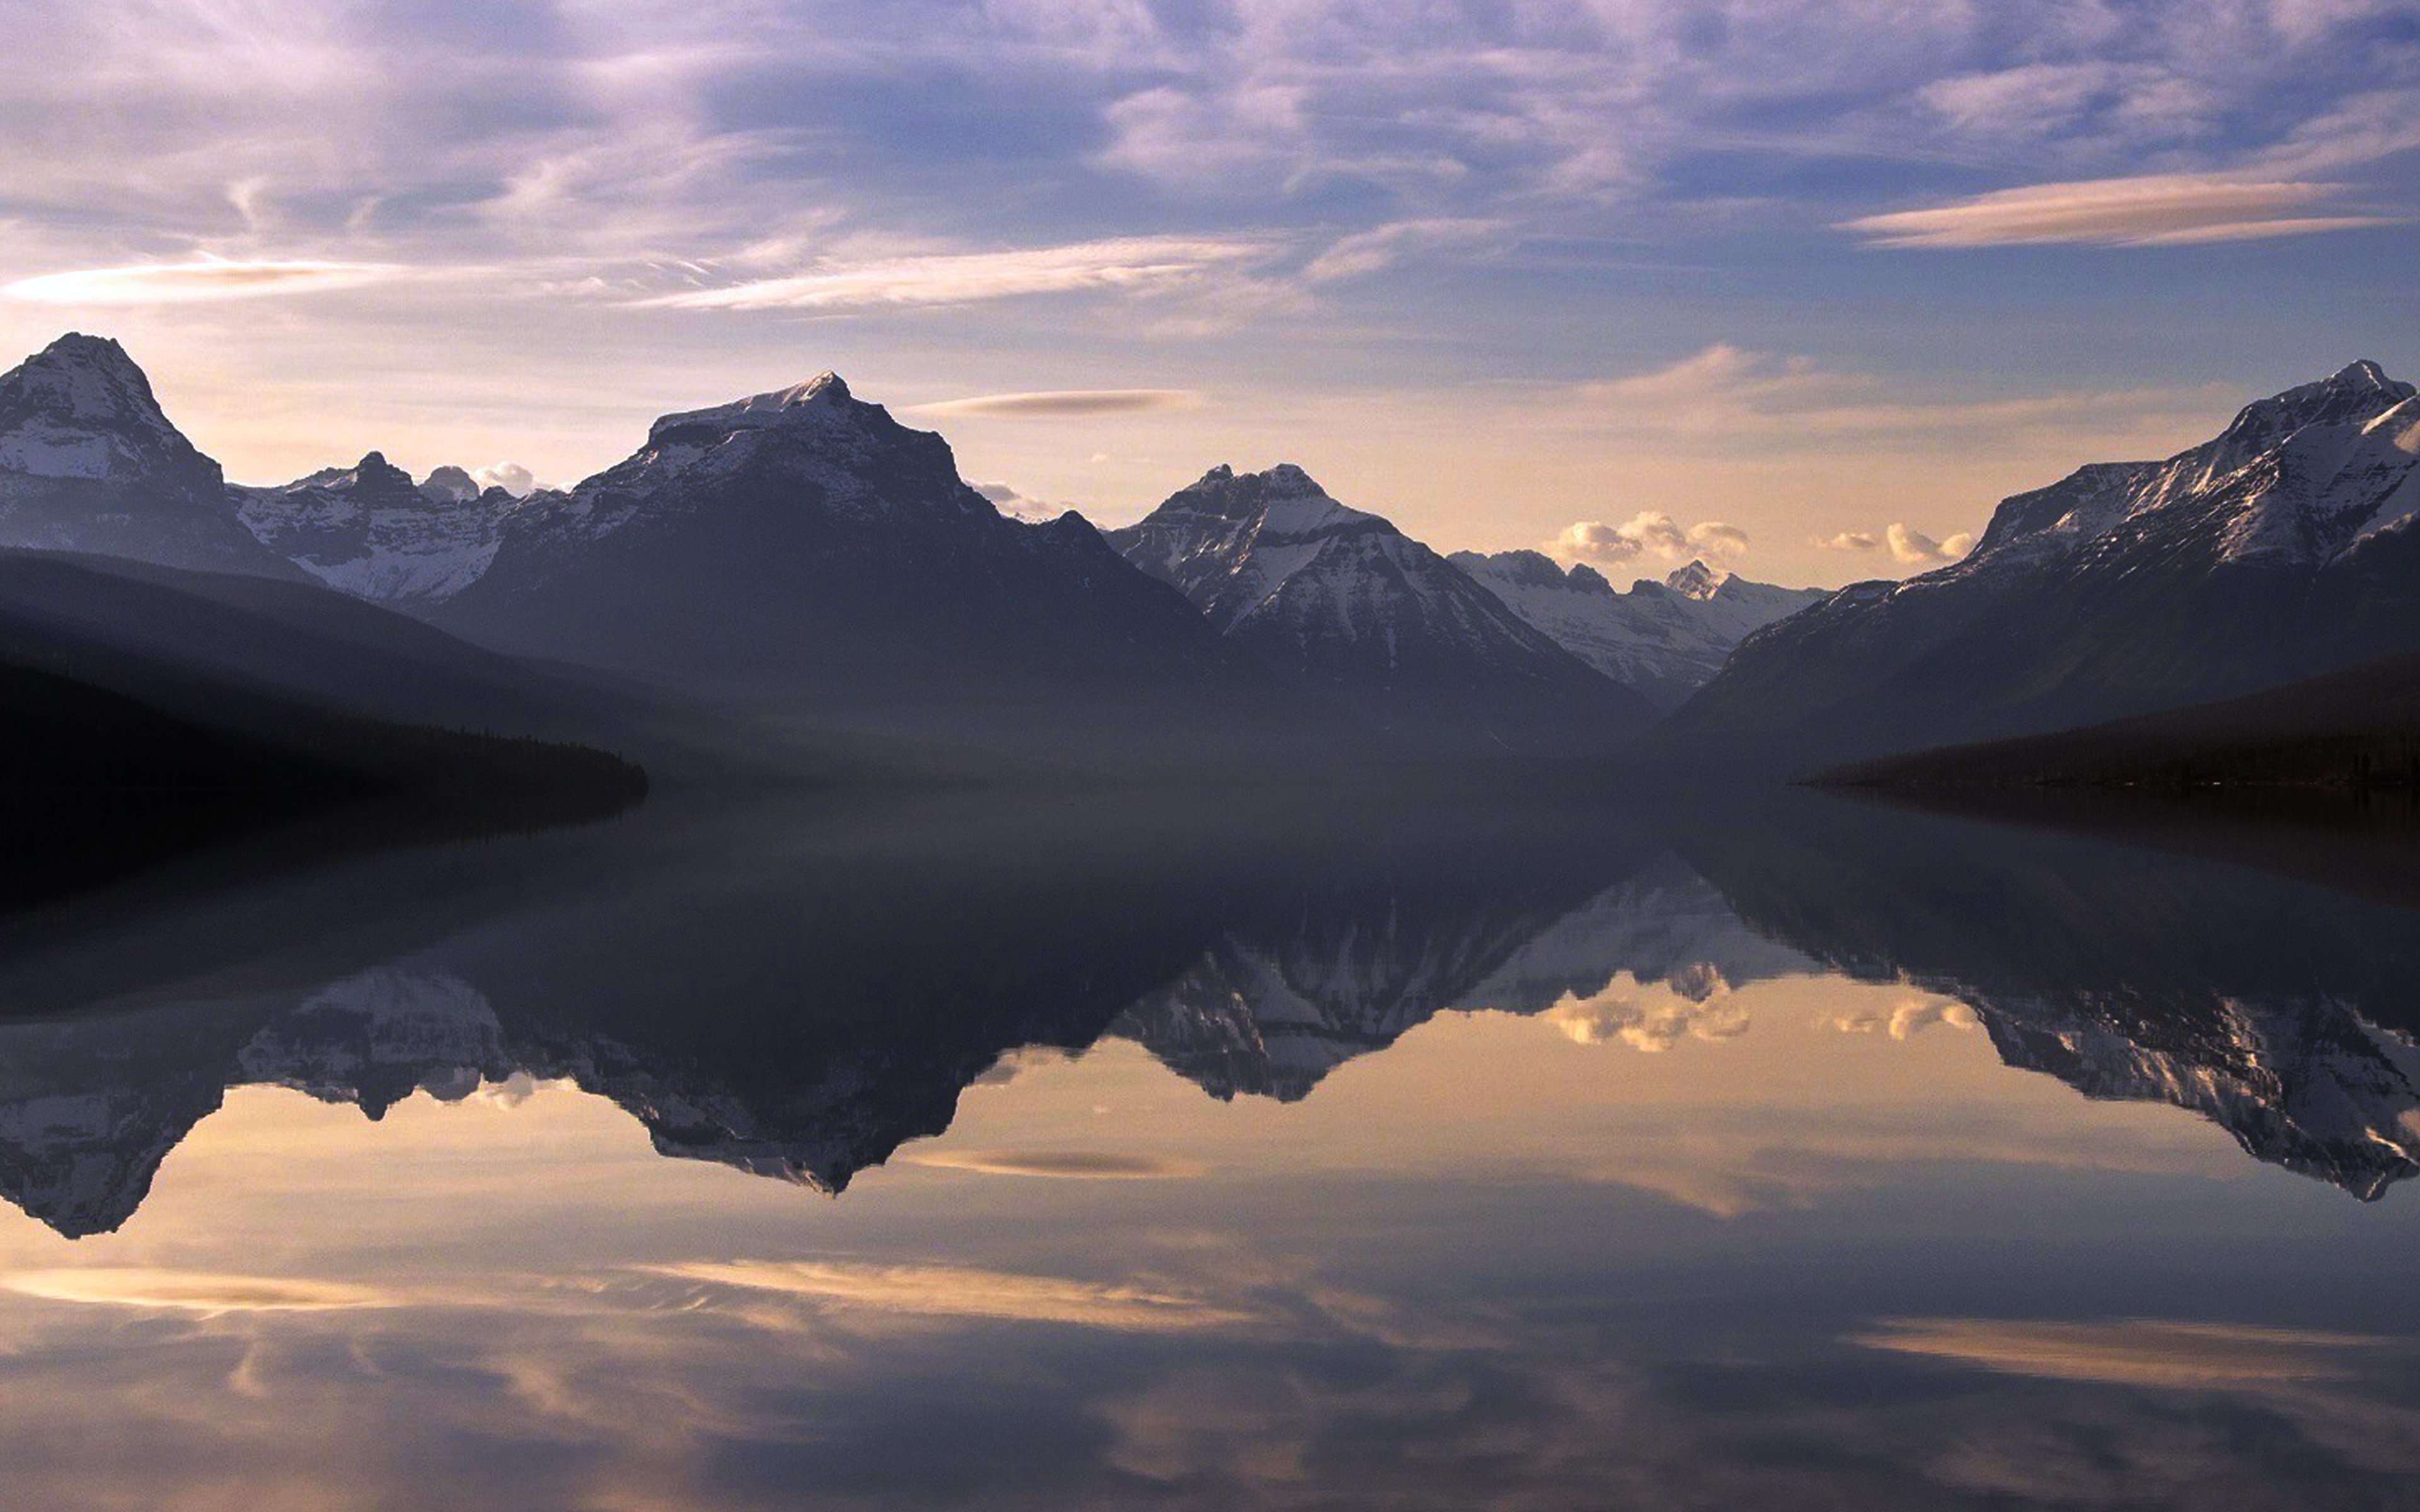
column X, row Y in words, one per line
column 1788, row 1229
column 798, row 992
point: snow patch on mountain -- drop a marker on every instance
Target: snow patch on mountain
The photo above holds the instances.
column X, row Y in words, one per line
column 2277, row 550
column 81, row 408
column 371, row 531
column 2302, row 477
column 89, row 463
column 1664, row 638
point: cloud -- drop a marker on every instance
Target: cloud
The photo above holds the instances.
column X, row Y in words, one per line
column 1648, row 533
column 194, row 1291
column 1915, row 548
column 1061, row 401
column 1908, row 1019
column 1128, row 264
column 2149, row 210
column 1370, row 251
column 2121, row 103
column 958, row 1292
column 188, row 283
column 1727, row 400
column 1070, row 1165
column 1019, row 505
column 1907, row 546
column 2135, row 1352
column 1648, row 1020
column 511, row 477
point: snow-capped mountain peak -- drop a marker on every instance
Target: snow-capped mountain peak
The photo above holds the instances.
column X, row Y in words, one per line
column 1342, row 600
column 820, row 398
column 2352, row 395
column 1663, row 637
column 1697, row 581
column 1231, row 541
column 89, row 463
column 2278, row 550
column 81, row 408
column 370, row 531
column 805, row 538
column 89, row 380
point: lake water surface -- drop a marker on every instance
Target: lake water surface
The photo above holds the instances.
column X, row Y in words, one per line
column 1715, row 1153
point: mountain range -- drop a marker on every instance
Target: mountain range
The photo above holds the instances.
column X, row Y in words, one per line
column 802, row 557
column 802, row 551
column 844, row 977
column 370, row 531
column 1347, row 604
column 1667, row 639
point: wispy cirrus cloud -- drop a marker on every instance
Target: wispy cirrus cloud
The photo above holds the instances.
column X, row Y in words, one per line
column 1381, row 247
column 202, row 279
column 2146, row 211
column 2149, row 1353
column 194, row 1292
column 1126, row 264
column 960, row 1291
column 1062, row 402
column 1061, row 1164
column 1738, row 397
column 2111, row 101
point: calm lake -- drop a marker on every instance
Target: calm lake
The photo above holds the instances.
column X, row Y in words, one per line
column 1718, row 1151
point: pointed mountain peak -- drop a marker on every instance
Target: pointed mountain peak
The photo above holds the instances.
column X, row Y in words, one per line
column 1293, row 482
column 1697, row 581
column 2354, row 395
column 1284, row 499
column 88, row 380
column 80, row 408
column 819, row 401
column 91, row 351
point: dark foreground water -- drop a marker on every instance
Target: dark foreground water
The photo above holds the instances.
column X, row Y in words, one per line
column 1773, row 1152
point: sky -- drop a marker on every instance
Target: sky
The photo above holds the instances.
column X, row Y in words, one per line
column 1803, row 284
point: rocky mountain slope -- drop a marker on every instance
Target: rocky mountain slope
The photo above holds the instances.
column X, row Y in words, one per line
column 370, row 531
column 1666, row 638
column 2287, row 546
column 1346, row 603
column 89, row 463
column 804, row 541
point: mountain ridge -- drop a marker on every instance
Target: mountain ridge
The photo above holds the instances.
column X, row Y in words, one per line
column 1666, row 638
column 2283, row 547
column 1344, row 602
